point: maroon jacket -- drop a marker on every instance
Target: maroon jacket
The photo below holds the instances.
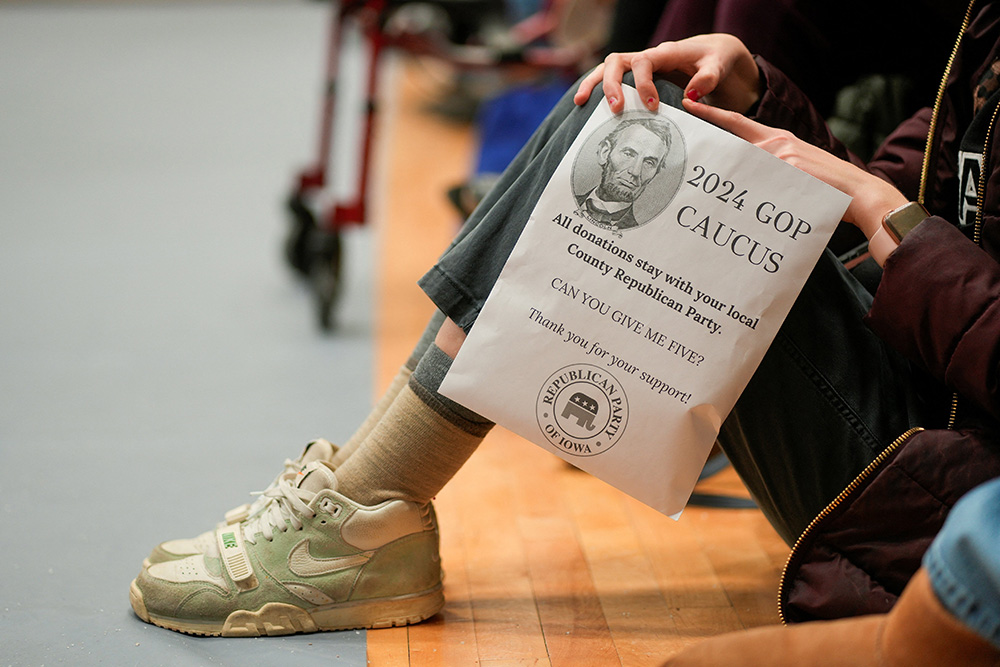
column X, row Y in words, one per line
column 939, row 304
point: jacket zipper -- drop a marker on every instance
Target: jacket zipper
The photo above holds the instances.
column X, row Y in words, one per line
column 898, row 442
column 977, row 234
column 855, row 483
column 932, row 128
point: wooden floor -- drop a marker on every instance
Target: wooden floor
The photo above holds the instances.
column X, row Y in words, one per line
column 544, row 565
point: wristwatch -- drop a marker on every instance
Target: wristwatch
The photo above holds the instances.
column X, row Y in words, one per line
column 900, row 221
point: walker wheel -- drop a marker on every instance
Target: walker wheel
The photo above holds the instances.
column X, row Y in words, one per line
column 303, row 225
column 325, row 273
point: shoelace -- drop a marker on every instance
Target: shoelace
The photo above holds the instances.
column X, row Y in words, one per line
column 292, row 467
column 285, row 503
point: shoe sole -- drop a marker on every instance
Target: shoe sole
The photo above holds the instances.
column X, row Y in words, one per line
column 276, row 618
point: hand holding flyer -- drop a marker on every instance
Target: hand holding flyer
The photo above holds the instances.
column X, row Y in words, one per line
column 652, row 276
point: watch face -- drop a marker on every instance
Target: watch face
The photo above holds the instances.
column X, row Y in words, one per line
column 901, row 222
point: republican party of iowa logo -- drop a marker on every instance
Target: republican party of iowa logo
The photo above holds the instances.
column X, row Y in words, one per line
column 582, row 410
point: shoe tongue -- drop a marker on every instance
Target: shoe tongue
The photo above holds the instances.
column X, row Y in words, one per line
column 317, row 450
column 316, row 477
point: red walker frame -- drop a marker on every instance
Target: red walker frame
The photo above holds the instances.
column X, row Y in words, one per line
column 313, row 247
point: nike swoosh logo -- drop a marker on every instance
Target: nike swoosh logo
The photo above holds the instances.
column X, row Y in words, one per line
column 304, row 564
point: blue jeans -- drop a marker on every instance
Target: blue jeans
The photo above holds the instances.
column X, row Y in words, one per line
column 964, row 561
column 828, row 397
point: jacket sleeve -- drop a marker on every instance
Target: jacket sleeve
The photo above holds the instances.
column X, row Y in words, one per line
column 939, row 304
column 899, row 158
column 939, row 298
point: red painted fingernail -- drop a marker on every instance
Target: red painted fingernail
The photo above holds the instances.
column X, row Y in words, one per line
column 693, row 95
column 612, row 100
column 650, row 101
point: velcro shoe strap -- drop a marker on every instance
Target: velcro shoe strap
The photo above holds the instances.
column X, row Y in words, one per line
column 238, row 514
column 234, row 554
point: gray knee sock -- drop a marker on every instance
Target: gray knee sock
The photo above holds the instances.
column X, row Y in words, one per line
column 427, row 379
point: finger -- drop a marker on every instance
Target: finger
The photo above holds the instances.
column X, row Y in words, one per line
column 615, row 66
column 685, row 60
column 587, row 85
column 704, row 80
column 642, row 72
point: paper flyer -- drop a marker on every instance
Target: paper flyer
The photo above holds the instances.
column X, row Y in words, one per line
column 650, row 279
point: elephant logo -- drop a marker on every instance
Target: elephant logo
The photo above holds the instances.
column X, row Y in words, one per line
column 582, row 410
column 583, row 407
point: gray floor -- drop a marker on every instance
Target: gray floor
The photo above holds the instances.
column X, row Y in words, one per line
column 157, row 360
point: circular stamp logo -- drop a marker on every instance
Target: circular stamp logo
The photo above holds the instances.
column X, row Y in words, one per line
column 582, row 410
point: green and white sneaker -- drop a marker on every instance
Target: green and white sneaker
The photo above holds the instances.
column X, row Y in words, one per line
column 311, row 560
column 317, row 450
